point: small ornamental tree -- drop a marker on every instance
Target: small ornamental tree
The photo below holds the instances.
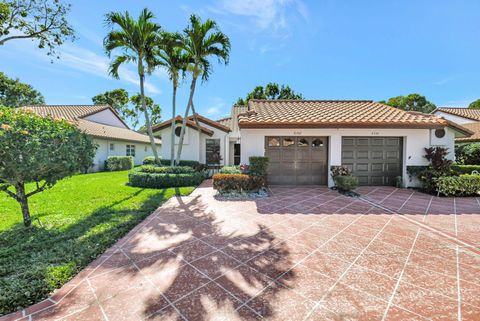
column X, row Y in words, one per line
column 38, row 150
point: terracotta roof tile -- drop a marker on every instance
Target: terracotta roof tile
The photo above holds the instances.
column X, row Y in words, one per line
column 475, row 128
column 179, row 119
column 112, row 132
column 332, row 113
column 68, row 112
column 75, row 114
column 232, row 121
column 473, row 114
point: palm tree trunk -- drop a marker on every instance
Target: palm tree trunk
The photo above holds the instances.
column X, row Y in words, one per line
column 172, row 147
column 184, row 121
column 147, row 118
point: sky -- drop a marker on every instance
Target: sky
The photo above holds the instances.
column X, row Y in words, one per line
column 324, row 49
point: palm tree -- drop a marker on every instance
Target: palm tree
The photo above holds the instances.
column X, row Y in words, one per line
column 202, row 41
column 172, row 57
column 137, row 40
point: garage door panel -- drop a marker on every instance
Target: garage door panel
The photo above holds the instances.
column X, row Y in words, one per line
column 376, row 154
column 274, row 155
column 301, row 160
column 384, row 161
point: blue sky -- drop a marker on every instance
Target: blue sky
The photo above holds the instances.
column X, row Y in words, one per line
column 324, row 49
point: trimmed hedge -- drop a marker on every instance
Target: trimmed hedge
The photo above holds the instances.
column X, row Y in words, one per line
column 166, row 169
column 465, row 169
column 118, row 163
column 150, row 160
column 463, row 185
column 225, row 183
column 346, row 183
column 258, row 165
column 159, row 180
column 230, row 170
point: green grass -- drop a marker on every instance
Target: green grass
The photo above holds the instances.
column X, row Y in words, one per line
column 78, row 219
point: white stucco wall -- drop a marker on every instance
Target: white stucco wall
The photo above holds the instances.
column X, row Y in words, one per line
column 414, row 142
column 194, row 143
column 456, row 119
column 142, row 150
column 106, row 117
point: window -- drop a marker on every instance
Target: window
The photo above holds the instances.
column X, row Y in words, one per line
column 131, row 150
column 146, row 148
column 112, row 146
column 236, row 154
column 303, row 142
column 288, row 142
column 440, row 133
column 212, row 155
column 317, row 143
column 178, row 131
column 273, row 142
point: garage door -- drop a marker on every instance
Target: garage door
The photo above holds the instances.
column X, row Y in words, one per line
column 297, row 160
column 374, row 160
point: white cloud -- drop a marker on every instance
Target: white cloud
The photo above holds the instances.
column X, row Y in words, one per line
column 216, row 107
column 89, row 62
column 267, row 14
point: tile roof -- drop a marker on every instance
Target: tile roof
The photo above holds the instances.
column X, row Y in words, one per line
column 473, row 114
column 68, row 112
column 210, row 122
column 475, row 128
column 116, row 133
column 76, row 113
column 333, row 113
column 179, row 119
column 232, row 121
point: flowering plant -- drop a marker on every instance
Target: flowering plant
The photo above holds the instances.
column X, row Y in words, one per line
column 340, row 171
column 244, row 168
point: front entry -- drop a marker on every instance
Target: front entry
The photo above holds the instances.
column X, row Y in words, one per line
column 297, row 160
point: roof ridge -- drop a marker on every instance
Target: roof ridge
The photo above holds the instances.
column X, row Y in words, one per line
column 456, row 107
column 314, row 100
column 60, row 105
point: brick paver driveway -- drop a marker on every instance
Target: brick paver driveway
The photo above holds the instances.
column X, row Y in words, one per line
column 305, row 253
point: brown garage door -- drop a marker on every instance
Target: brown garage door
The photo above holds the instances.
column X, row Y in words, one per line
column 374, row 160
column 297, row 160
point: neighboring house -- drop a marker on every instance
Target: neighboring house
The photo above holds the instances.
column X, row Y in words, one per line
column 304, row 138
column 105, row 126
column 468, row 118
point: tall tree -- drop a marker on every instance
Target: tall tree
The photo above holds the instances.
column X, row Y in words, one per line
column 272, row 91
column 412, row 102
column 117, row 98
column 14, row 93
column 172, row 57
column 44, row 21
column 203, row 40
column 153, row 108
column 38, row 150
column 136, row 39
column 475, row 104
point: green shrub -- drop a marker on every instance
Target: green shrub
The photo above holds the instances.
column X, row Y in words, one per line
column 463, row 185
column 225, row 183
column 346, row 183
column 258, row 166
column 415, row 170
column 230, row 170
column 150, row 160
column 468, row 154
column 166, row 169
column 160, row 180
column 465, row 169
column 118, row 163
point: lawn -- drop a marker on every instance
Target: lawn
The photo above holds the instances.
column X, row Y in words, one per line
column 78, row 219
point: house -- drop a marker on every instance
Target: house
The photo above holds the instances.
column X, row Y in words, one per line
column 304, row 138
column 468, row 118
column 105, row 126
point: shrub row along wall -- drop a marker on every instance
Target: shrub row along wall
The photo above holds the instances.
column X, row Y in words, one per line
column 119, row 163
column 166, row 162
column 225, row 183
column 463, row 185
column 162, row 180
